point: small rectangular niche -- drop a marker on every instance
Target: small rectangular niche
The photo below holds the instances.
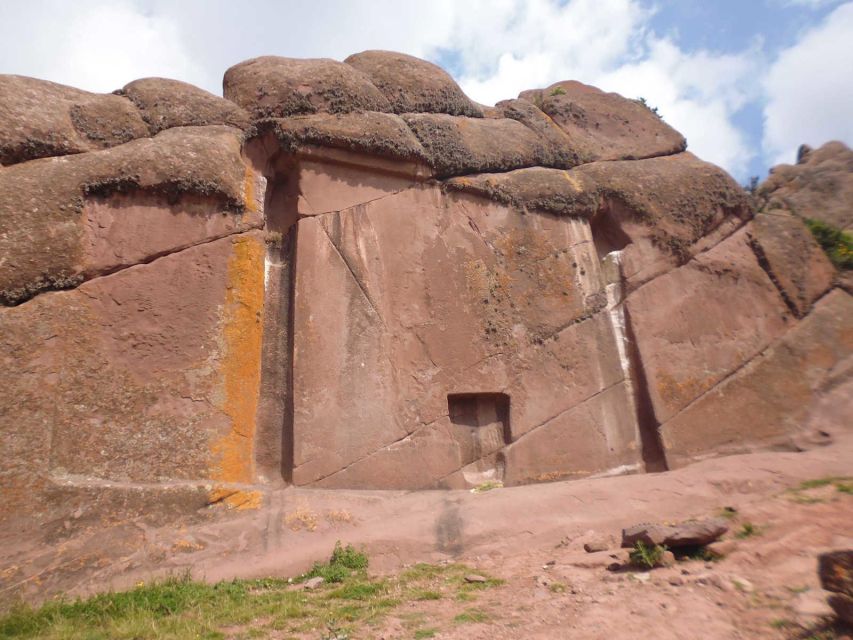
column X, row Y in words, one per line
column 481, row 412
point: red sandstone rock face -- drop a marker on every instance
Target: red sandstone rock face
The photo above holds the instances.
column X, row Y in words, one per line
column 819, row 186
column 412, row 85
column 165, row 103
column 792, row 258
column 64, row 220
column 606, row 126
column 271, row 86
column 331, row 294
column 40, row 119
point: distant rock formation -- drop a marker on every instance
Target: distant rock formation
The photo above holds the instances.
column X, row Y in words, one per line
column 350, row 275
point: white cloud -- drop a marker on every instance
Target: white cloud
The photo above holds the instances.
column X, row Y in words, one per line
column 810, row 89
column 606, row 43
column 811, row 4
column 97, row 45
column 698, row 93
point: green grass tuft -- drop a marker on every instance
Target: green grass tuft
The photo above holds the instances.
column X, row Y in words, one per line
column 837, row 244
column 748, row 530
column 471, row 615
column 646, row 556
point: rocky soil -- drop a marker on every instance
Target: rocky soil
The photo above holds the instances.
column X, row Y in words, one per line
column 783, row 510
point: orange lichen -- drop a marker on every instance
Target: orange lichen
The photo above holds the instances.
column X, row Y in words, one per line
column 241, row 365
column 249, row 200
column 239, row 499
column 677, row 392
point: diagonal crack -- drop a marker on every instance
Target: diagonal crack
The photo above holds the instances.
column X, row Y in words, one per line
column 379, row 450
column 353, row 274
column 154, row 257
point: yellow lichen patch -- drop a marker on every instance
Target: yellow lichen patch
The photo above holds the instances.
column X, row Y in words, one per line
column 233, row 453
column 572, row 181
column 335, row 517
column 302, row 518
column 187, row 546
column 236, row 498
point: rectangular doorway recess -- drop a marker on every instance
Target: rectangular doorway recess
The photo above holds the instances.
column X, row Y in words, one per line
column 481, row 429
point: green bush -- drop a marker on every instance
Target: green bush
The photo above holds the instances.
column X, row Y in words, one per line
column 645, row 555
column 343, row 562
column 837, row 244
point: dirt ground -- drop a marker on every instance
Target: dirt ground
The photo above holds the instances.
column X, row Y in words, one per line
column 531, row 537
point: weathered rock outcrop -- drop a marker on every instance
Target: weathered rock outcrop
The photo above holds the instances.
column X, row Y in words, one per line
column 40, row 119
column 274, row 87
column 165, row 103
column 349, row 275
column 818, row 187
column 412, row 85
column 606, row 126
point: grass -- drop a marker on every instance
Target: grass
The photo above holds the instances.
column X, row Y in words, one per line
column 487, row 486
column 842, row 484
column 343, row 563
column 471, row 615
column 748, row 530
column 557, row 587
column 837, row 244
column 180, row 608
column 781, row 623
column 646, row 556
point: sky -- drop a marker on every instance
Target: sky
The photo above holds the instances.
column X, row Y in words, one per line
column 746, row 81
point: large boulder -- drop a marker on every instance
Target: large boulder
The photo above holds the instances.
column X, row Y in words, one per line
column 166, row 103
column 662, row 211
column 819, row 186
column 606, row 126
column 681, row 319
column 39, row 119
column 692, row 533
column 379, row 134
column 802, row 379
column 274, row 87
column 65, row 220
column 556, row 191
column 835, row 569
column 412, row 85
column 458, row 146
column 793, row 259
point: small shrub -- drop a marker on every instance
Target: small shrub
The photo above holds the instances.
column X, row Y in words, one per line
column 422, row 634
column 557, row 587
column 646, row 556
column 487, row 486
column 837, row 244
column 341, row 565
column 654, row 110
column 558, row 91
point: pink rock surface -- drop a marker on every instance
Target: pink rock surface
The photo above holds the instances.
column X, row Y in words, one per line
column 681, row 320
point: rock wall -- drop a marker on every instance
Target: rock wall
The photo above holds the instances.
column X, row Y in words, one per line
column 349, row 275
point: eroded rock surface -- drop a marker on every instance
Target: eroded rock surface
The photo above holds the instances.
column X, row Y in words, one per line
column 349, row 275
column 412, row 85
column 40, row 119
column 819, row 186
